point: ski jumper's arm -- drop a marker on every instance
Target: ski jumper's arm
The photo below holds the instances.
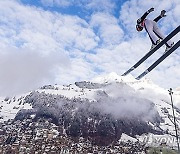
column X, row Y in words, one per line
column 140, row 20
column 160, row 16
column 157, row 18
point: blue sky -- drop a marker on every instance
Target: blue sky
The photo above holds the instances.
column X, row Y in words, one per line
column 63, row 41
column 78, row 7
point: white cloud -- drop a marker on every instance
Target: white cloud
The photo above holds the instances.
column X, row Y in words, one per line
column 35, row 44
column 83, row 47
column 80, row 70
column 24, row 69
column 107, row 28
column 119, row 57
column 122, row 99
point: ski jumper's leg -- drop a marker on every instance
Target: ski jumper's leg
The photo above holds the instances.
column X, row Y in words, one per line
column 149, row 26
column 158, row 32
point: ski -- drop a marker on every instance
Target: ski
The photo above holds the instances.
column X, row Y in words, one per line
column 159, row 60
column 173, row 33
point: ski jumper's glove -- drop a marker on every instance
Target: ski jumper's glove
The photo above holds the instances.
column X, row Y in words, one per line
column 163, row 13
column 150, row 10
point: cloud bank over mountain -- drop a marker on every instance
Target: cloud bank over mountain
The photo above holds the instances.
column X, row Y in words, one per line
column 78, row 40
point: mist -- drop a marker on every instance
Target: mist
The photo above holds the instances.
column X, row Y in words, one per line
column 24, row 70
column 122, row 101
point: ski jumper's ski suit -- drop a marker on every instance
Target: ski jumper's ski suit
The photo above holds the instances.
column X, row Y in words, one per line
column 152, row 29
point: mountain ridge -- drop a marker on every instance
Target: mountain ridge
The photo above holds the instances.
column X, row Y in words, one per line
column 101, row 110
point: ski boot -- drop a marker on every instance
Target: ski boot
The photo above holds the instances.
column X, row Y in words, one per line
column 154, row 45
column 168, row 47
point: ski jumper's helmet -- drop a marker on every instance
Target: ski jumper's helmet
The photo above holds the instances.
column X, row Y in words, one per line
column 139, row 25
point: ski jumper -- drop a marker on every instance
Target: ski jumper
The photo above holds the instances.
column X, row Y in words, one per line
column 152, row 29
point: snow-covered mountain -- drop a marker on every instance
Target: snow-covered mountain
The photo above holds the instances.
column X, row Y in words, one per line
column 105, row 110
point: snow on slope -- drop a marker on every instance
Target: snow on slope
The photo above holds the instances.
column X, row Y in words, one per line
column 112, row 85
column 10, row 106
column 150, row 91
